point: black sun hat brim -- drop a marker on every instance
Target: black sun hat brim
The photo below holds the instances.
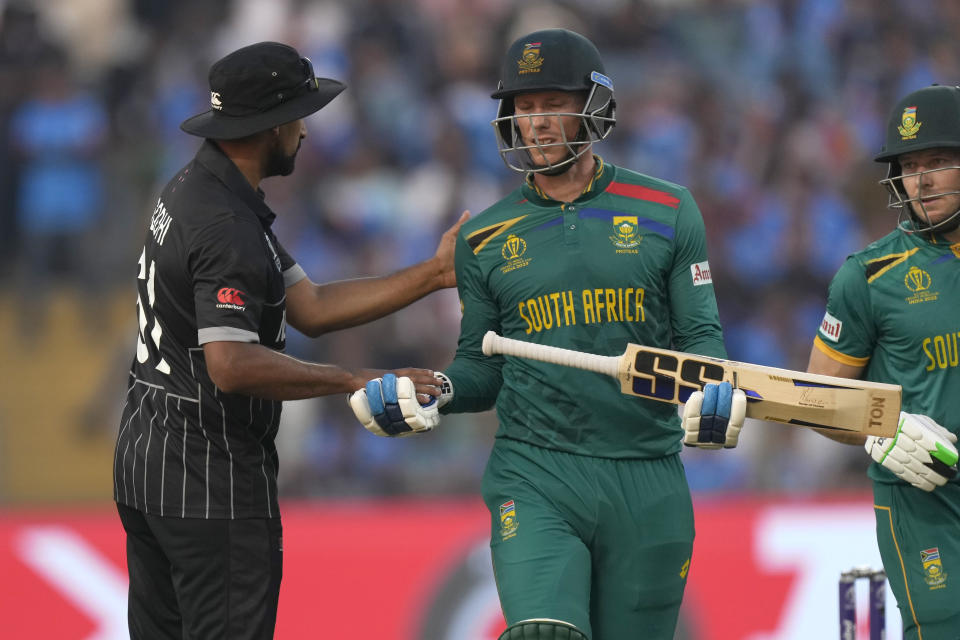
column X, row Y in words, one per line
column 214, row 124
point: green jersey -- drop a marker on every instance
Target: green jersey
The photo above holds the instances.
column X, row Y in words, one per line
column 894, row 308
column 624, row 262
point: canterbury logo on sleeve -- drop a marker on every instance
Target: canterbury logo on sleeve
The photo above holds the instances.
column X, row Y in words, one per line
column 230, row 298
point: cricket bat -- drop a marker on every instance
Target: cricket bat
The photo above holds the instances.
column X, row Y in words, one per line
column 778, row 395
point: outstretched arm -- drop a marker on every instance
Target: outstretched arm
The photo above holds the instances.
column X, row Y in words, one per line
column 255, row 370
column 315, row 309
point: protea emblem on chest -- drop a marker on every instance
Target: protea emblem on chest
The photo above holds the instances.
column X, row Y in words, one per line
column 626, row 232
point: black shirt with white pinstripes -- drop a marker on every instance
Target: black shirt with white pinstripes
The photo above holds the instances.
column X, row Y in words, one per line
column 211, row 270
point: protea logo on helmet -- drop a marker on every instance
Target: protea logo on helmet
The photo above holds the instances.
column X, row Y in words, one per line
column 530, row 60
column 909, row 125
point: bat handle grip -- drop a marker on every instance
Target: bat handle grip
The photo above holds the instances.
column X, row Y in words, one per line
column 494, row 344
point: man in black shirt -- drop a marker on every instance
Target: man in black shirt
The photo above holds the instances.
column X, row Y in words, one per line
column 195, row 467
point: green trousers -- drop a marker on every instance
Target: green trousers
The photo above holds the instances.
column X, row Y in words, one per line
column 918, row 534
column 600, row 543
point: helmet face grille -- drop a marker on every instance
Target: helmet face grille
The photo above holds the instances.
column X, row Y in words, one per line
column 597, row 117
column 552, row 60
column 924, row 120
column 913, row 216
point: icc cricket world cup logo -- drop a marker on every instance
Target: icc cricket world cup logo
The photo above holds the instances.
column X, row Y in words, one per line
column 512, row 251
column 513, row 248
column 917, row 279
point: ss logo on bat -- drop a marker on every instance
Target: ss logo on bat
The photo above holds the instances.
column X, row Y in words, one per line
column 657, row 376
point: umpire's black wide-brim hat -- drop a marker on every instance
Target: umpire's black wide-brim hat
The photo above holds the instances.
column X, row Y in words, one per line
column 259, row 87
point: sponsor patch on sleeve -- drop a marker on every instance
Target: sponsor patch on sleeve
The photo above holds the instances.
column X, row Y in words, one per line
column 230, row 298
column 701, row 273
column 830, row 327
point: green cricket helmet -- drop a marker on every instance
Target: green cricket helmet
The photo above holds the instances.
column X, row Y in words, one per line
column 552, row 60
column 925, row 119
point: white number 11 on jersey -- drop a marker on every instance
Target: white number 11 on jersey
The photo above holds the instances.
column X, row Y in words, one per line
column 142, row 352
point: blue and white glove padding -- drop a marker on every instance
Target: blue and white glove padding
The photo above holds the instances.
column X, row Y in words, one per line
column 712, row 418
column 389, row 407
column 923, row 453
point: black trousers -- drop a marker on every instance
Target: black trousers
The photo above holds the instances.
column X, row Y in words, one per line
column 195, row 579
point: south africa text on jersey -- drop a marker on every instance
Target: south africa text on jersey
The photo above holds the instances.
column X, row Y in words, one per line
column 942, row 351
column 589, row 306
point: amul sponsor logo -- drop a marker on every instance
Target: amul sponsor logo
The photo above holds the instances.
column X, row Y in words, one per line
column 701, row 273
column 830, row 327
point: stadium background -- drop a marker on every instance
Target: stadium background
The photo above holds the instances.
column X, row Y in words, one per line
column 768, row 110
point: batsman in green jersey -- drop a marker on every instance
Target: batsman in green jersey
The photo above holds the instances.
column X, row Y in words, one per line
column 591, row 518
column 893, row 315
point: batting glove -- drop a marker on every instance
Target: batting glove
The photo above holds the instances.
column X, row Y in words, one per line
column 388, row 406
column 922, row 452
column 712, row 418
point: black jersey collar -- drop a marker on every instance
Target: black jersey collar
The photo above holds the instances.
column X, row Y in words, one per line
column 602, row 177
column 216, row 162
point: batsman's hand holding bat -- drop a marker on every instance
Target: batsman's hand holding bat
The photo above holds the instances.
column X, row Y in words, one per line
column 922, row 452
column 389, row 406
column 712, row 418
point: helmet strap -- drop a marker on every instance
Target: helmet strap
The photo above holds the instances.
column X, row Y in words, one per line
column 560, row 169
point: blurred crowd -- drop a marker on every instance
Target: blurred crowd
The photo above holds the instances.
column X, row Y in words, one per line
column 768, row 110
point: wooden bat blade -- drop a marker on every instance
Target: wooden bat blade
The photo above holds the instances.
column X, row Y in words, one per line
column 778, row 395
column 773, row 394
